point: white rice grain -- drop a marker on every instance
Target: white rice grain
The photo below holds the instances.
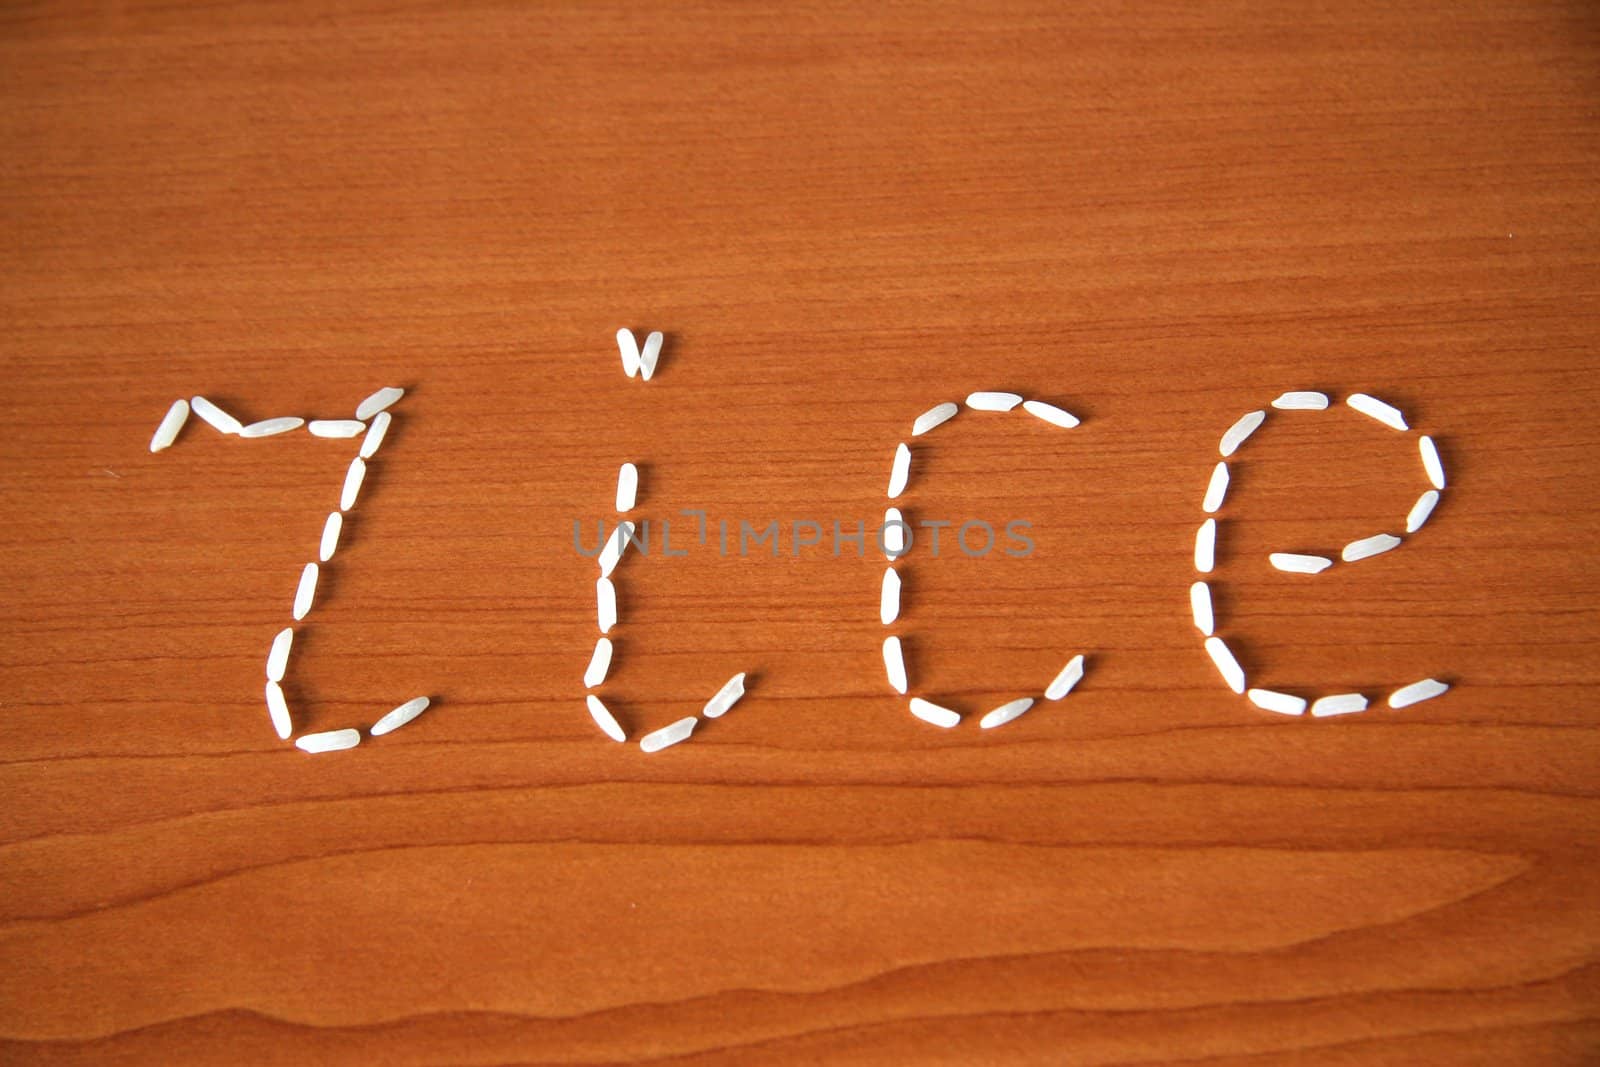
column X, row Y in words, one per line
column 271, row 427
column 900, row 472
column 1064, row 682
column 895, row 529
column 1237, row 434
column 1307, row 401
column 219, row 420
column 278, row 658
column 1205, row 546
column 306, row 592
column 352, row 483
column 330, row 535
column 1368, row 546
column 1421, row 510
column 1373, row 408
column 1282, row 703
column 338, row 428
column 1430, row 461
column 604, row 719
column 627, row 487
column 993, row 401
column 599, row 664
column 1050, row 413
column 1217, row 490
column 629, row 349
column 1417, row 692
column 329, row 741
column 726, row 697
column 650, row 354
column 171, row 423
column 1338, row 704
column 605, row 595
column 1005, row 713
column 894, row 664
column 611, row 555
column 278, row 709
column 668, row 735
column 397, row 718
column 378, row 401
column 1200, row 608
column 937, row 415
column 889, row 598
column 1227, row 666
column 1295, row 563
column 375, row 434
column 934, row 714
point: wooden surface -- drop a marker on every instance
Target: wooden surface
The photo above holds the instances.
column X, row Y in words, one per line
column 1158, row 216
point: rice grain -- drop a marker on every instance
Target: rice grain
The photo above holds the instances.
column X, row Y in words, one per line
column 329, row 741
column 1373, row 408
column 171, row 423
column 668, row 735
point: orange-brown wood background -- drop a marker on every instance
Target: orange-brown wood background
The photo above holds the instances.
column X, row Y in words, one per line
column 1156, row 215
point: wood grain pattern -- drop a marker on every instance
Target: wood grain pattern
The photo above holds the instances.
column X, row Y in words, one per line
column 1159, row 216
